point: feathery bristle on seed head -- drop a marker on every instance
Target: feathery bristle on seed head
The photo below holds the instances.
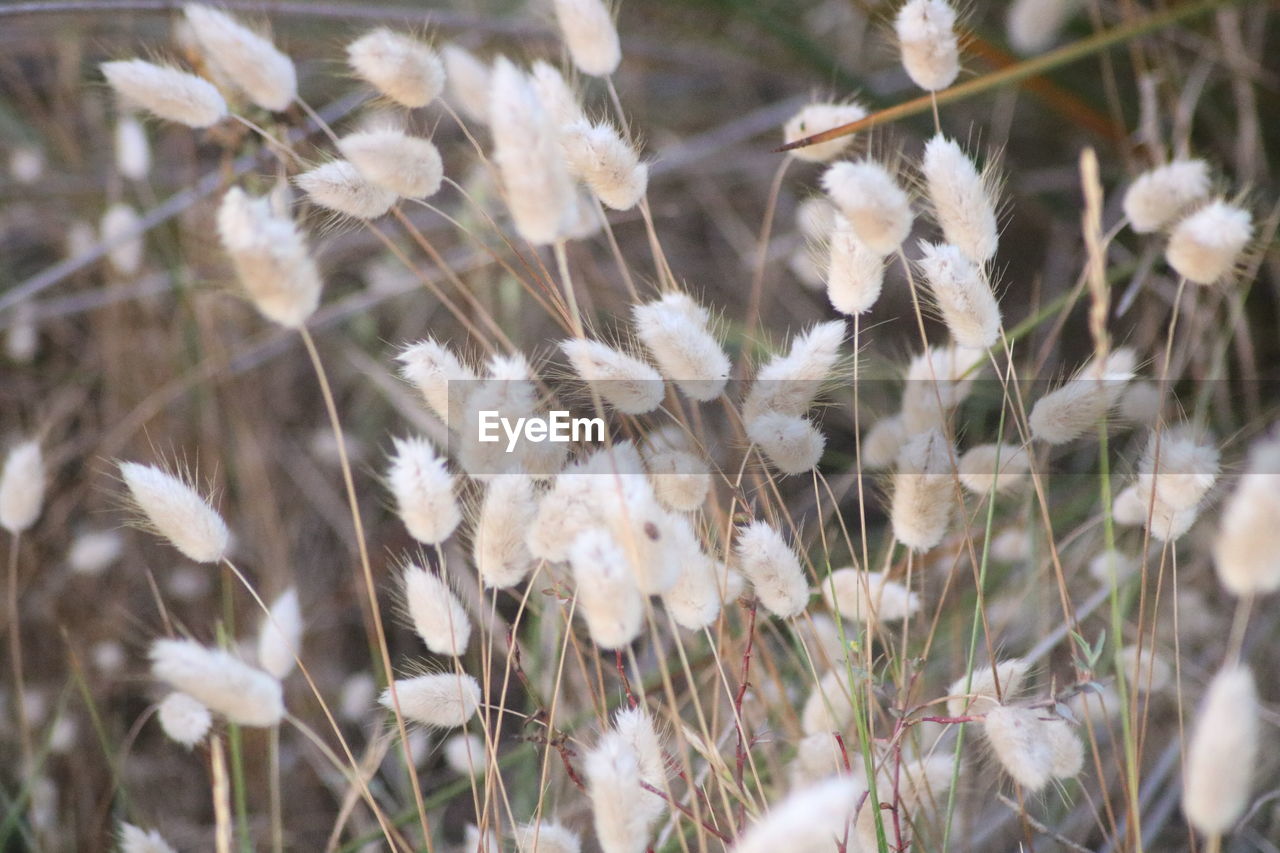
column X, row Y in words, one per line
column 1158, row 196
column 1079, row 406
column 963, row 201
column 241, row 693
column 963, row 295
column 405, row 165
column 270, row 257
column 133, row 152
column 1206, row 245
column 436, row 613
column 792, row 443
column 923, row 491
column 877, row 208
column 440, row 376
column 854, row 274
column 526, row 149
column 184, row 719
column 250, row 61
column 676, row 331
column 1002, row 466
column 982, row 694
column 280, row 635
column 928, row 43
column 556, row 95
column 423, row 489
column 171, row 94
column 607, row 595
column 341, row 187
column 175, row 511
column 441, row 700
column 118, row 230
column 501, row 555
column 869, row 597
column 1223, row 753
column 398, row 66
column 627, row 383
column 1247, row 551
column 467, row 81
column 776, row 576
column 22, row 486
column 815, row 118
column 590, row 35
column 597, row 154
column 135, row 839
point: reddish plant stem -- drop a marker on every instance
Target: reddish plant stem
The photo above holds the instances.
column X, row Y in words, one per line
column 684, row 810
column 626, row 682
column 743, row 683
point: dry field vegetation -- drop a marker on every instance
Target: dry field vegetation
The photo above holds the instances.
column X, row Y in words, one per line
column 938, row 507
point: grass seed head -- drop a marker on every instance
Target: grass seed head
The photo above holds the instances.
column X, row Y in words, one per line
column 930, row 50
column 399, row 66
column 589, row 33
column 1158, row 196
column 175, row 511
column 923, row 491
column 1021, row 744
column 271, row 258
column 630, row 385
column 963, row 295
column 166, row 92
column 607, row 595
column 1205, row 246
column 342, row 188
column 876, row 206
column 423, row 489
column 963, row 200
column 440, row 700
column 250, row 61
column 791, row 443
column 405, row 165
column 22, row 487
column 184, row 719
column 773, row 569
column 132, row 150
column 676, row 331
column 815, row 118
column 280, row 635
column 526, row 149
column 222, row 683
column 1223, row 753
column 437, row 615
column 597, row 154
column 467, row 80
column 135, row 839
